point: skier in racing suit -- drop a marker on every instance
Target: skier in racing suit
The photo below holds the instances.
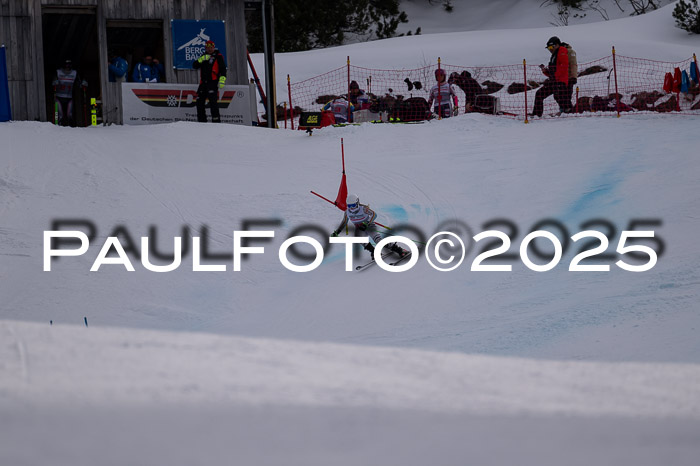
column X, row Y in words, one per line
column 363, row 218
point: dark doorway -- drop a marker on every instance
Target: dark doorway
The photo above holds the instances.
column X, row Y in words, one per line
column 71, row 33
column 133, row 40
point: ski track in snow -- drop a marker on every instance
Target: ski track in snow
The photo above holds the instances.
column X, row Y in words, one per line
column 471, row 181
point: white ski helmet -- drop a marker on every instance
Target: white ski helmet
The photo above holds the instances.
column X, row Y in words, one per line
column 353, row 201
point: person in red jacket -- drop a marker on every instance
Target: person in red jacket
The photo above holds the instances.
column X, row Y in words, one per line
column 212, row 78
column 557, row 82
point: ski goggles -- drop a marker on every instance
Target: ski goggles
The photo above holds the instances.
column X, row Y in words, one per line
column 354, row 205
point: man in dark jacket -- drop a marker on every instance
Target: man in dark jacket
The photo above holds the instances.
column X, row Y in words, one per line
column 212, row 78
column 469, row 86
column 557, row 82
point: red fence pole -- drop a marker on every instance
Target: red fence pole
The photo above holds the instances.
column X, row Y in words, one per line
column 439, row 95
column 617, row 94
column 525, row 82
column 348, row 89
column 291, row 107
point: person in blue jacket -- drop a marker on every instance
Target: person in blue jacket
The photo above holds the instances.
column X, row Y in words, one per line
column 118, row 67
column 148, row 71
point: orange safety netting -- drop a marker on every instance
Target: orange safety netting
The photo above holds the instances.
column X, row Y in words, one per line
column 603, row 87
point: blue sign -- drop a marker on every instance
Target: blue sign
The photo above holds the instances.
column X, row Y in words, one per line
column 189, row 37
column 5, row 110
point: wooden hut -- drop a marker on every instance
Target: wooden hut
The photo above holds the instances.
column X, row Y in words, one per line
column 40, row 35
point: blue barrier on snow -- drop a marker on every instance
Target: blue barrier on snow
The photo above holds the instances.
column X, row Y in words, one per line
column 5, row 110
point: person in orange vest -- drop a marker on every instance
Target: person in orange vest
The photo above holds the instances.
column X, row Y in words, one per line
column 212, row 78
column 557, row 82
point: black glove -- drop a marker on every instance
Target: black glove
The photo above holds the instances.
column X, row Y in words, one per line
column 362, row 226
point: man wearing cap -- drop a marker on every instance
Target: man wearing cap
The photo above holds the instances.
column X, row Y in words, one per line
column 212, row 69
column 64, row 84
column 557, row 82
column 358, row 97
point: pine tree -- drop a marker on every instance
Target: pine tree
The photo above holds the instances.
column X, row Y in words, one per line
column 309, row 25
column 687, row 15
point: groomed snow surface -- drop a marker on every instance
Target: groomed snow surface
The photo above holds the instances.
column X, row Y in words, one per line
column 266, row 366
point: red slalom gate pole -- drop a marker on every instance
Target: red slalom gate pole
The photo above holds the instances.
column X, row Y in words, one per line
column 617, row 94
column 525, row 82
column 324, row 198
column 291, row 107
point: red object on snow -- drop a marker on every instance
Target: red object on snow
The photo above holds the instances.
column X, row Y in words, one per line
column 340, row 200
column 677, row 79
column 668, row 83
column 327, row 118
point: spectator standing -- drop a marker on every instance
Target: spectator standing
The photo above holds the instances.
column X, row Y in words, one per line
column 557, row 82
column 444, row 96
column 64, row 84
column 212, row 69
column 573, row 68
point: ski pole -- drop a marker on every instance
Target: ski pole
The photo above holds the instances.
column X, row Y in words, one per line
column 331, row 202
